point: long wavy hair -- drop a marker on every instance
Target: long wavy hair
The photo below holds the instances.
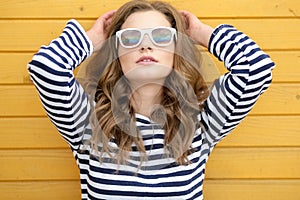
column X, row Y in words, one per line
column 183, row 94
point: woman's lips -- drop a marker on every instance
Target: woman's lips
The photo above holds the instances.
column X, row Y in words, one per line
column 146, row 60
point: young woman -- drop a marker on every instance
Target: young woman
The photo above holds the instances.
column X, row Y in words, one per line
column 147, row 126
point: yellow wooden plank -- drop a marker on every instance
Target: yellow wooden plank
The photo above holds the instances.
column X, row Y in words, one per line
column 263, row 131
column 36, row 190
column 254, row 163
column 87, row 9
column 29, row 35
column 279, row 99
column 251, row 189
column 19, row 133
column 14, row 67
column 20, row 101
column 286, row 66
column 52, row 164
column 254, row 131
column 224, row 163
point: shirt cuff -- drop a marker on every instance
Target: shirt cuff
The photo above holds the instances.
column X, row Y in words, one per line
column 215, row 34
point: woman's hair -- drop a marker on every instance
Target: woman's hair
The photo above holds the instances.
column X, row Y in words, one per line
column 183, row 94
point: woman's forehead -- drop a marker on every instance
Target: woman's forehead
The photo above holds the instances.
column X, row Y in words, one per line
column 146, row 19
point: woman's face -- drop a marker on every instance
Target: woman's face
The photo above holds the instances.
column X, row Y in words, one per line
column 147, row 61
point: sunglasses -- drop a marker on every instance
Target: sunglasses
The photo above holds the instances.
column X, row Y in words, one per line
column 132, row 37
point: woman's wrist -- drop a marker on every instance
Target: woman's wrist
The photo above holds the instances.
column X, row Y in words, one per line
column 204, row 33
column 92, row 37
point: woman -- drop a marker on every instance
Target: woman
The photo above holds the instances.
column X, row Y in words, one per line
column 146, row 129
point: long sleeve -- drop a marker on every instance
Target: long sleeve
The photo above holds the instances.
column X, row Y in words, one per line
column 234, row 94
column 51, row 71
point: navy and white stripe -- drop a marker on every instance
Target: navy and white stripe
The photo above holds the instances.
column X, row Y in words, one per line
column 67, row 105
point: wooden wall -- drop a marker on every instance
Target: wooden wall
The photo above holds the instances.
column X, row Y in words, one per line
column 260, row 160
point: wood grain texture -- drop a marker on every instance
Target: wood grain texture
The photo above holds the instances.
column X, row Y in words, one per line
column 254, row 163
column 52, row 164
column 265, row 131
column 29, row 133
column 252, row 189
column 37, row 190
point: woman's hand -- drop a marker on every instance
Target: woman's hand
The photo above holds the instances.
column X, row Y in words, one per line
column 98, row 33
column 199, row 32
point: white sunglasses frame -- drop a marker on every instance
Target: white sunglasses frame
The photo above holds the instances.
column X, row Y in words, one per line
column 147, row 31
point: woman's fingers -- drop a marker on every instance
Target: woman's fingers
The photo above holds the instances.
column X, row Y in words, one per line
column 199, row 32
column 98, row 32
column 108, row 14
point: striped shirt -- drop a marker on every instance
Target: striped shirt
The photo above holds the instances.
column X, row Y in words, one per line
column 67, row 105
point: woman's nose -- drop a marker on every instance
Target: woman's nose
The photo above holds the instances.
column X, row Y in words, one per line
column 146, row 44
column 142, row 49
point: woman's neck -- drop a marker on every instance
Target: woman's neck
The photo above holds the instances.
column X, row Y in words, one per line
column 144, row 98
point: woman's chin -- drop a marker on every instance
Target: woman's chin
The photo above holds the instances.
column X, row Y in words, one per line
column 150, row 73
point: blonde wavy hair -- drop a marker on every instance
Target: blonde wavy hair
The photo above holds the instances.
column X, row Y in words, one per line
column 184, row 92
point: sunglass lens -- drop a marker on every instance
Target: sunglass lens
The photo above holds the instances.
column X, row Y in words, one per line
column 130, row 37
column 162, row 36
